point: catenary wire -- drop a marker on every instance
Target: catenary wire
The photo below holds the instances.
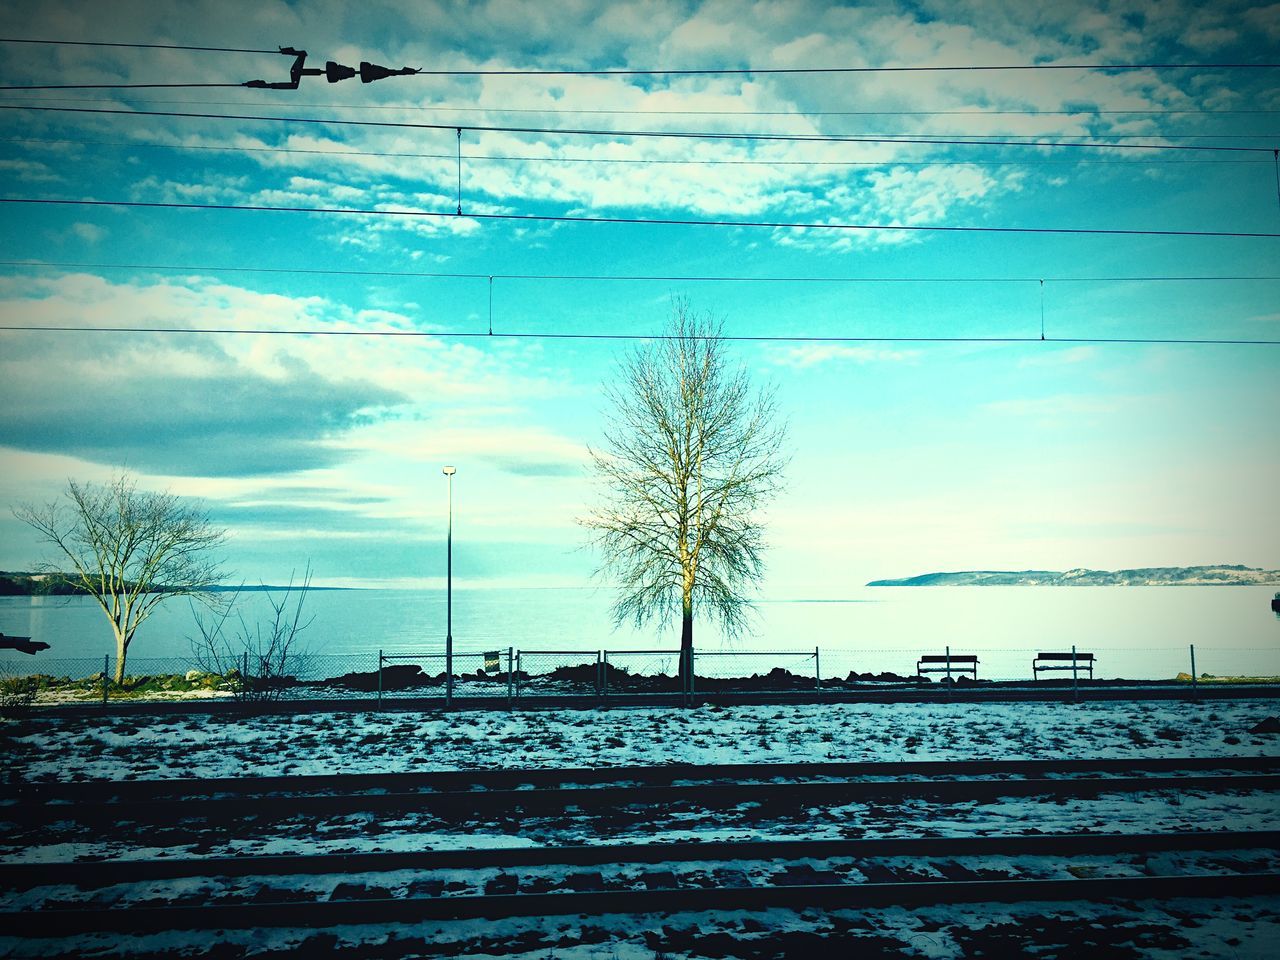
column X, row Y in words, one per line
column 116, row 86
column 139, row 46
column 1025, row 161
column 654, row 134
column 941, row 68
column 445, row 108
column 782, row 338
column 714, row 71
column 665, row 278
column 792, row 114
column 643, row 221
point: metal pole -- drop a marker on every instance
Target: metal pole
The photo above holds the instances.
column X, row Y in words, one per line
column 510, row 656
column 518, row 654
column 948, row 649
column 448, row 637
column 105, row 667
column 379, row 678
column 1194, row 691
column 817, row 670
column 689, row 695
column 1075, row 676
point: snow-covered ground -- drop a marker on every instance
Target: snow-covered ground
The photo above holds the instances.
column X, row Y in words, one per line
column 124, row 746
column 120, row 746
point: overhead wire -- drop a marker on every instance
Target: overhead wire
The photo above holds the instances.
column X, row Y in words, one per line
column 140, row 46
column 765, row 71
column 645, row 221
column 481, row 108
column 115, row 86
column 663, row 278
column 1024, row 161
column 651, row 134
column 527, row 335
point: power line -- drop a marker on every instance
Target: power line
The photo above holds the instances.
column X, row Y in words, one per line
column 715, row 71
column 480, row 108
column 656, row 134
column 116, row 86
column 1026, row 161
column 664, row 278
column 785, row 338
column 642, row 221
column 945, row 68
column 139, row 46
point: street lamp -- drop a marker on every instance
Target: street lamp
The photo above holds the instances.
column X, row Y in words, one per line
column 448, row 636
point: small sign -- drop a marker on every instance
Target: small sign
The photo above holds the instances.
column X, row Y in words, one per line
column 492, row 661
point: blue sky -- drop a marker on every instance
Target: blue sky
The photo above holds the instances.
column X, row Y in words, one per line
column 907, row 456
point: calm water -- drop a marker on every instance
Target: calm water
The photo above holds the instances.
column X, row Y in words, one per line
column 1135, row 631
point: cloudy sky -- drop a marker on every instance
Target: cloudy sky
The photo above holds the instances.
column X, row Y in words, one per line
column 909, row 454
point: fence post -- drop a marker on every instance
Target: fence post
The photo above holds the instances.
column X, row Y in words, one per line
column 688, row 700
column 599, row 684
column 1195, row 693
column 817, row 670
column 105, row 667
column 510, row 658
column 1075, row 675
column 604, row 679
column 379, row 678
column 518, row 655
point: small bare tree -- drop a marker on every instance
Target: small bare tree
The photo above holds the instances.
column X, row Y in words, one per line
column 690, row 457
column 258, row 655
column 129, row 549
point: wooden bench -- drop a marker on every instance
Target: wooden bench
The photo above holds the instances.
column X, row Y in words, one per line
column 1075, row 662
column 948, row 664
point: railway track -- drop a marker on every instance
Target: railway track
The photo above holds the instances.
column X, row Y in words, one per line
column 661, row 878
column 465, row 793
column 132, row 894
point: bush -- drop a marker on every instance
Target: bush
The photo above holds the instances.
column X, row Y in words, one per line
column 17, row 694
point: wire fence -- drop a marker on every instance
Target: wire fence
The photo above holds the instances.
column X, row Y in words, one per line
column 514, row 675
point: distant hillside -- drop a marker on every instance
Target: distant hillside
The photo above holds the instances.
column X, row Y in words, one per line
column 21, row 584
column 1217, row 575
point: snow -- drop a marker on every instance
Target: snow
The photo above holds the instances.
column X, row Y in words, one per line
column 120, row 746
column 115, row 746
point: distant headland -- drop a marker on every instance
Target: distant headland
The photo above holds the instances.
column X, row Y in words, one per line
column 27, row 584
column 1227, row 574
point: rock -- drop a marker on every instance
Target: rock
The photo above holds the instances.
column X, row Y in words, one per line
column 1269, row 725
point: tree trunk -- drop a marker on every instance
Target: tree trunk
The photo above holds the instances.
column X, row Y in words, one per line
column 686, row 649
column 122, row 646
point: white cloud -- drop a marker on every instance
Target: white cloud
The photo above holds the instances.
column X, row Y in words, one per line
column 813, row 354
column 88, row 232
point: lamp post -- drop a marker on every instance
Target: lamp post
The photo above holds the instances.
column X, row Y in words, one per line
column 448, row 636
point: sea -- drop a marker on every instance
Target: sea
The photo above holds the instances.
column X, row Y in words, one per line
column 1134, row 632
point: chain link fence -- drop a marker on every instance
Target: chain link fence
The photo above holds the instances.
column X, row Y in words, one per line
column 627, row 672
column 752, row 671
column 558, row 673
column 511, row 674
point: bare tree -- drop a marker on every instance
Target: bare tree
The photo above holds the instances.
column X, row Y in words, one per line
column 690, row 457
column 256, row 656
column 129, row 549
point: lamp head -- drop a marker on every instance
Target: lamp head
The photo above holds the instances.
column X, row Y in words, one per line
column 449, row 471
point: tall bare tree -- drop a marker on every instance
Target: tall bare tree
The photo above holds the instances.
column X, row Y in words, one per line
column 690, row 457
column 129, row 549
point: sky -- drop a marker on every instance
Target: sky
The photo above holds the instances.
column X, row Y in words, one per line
column 929, row 426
